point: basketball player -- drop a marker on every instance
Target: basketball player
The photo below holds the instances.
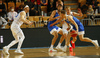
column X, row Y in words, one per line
column 17, row 32
column 54, row 30
column 80, row 30
column 65, row 26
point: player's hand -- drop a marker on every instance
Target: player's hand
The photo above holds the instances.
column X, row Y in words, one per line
column 79, row 10
column 51, row 25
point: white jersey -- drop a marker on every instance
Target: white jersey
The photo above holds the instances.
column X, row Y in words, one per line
column 17, row 21
column 65, row 26
column 71, row 14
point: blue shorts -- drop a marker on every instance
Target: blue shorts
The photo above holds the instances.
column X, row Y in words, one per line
column 80, row 29
column 53, row 28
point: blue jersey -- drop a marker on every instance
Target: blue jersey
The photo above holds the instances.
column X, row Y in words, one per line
column 50, row 22
column 80, row 25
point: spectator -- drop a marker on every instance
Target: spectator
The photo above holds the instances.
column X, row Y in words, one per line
column 35, row 9
column 38, row 1
column 59, row 2
column 95, row 5
column 88, row 2
column 90, row 10
column 11, row 14
column 2, row 13
column 21, row 6
column 44, row 2
column 50, row 6
column 84, row 8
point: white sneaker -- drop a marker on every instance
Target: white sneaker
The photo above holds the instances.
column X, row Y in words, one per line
column 52, row 50
column 95, row 42
column 19, row 52
column 64, row 49
column 58, row 47
column 5, row 50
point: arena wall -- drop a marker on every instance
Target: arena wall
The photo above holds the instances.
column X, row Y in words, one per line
column 40, row 37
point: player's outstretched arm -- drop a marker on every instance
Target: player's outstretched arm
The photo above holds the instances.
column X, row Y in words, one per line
column 52, row 16
column 78, row 14
column 70, row 18
column 22, row 15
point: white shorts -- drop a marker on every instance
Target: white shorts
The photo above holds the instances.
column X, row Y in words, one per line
column 55, row 30
column 64, row 28
column 81, row 33
column 16, row 30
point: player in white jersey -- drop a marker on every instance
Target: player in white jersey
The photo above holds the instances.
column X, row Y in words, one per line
column 17, row 32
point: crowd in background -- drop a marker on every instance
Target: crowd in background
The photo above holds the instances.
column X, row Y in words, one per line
column 90, row 7
column 35, row 8
column 34, row 5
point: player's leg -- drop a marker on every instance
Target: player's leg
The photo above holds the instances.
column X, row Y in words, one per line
column 73, row 41
column 68, row 42
column 64, row 49
column 95, row 42
column 61, row 40
column 6, row 48
column 55, row 34
column 22, row 37
column 67, row 39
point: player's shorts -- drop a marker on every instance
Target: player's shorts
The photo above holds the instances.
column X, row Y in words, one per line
column 16, row 30
column 53, row 28
column 81, row 29
column 64, row 28
column 81, row 33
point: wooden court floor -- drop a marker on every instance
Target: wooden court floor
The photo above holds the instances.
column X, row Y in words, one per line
column 78, row 52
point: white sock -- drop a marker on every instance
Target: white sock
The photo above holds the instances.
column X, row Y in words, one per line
column 59, row 44
column 65, row 46
column 51, row 46
column 20, row 43
column 70, row 45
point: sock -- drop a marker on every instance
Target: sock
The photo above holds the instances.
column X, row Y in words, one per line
column 70, row 45
column 59, row 44
column 65, row 46
column 20, row 44
column 51, row 46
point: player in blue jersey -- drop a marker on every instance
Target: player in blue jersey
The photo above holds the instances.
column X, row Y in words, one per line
column 78, row 26
column 54, row 30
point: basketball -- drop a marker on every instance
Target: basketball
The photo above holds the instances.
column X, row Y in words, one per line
column 73, row 33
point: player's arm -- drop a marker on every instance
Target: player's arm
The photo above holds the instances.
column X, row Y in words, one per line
column 22, row 15
column 52, row 16
column 78, row 14
column 70, row 18
column 59, row 20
